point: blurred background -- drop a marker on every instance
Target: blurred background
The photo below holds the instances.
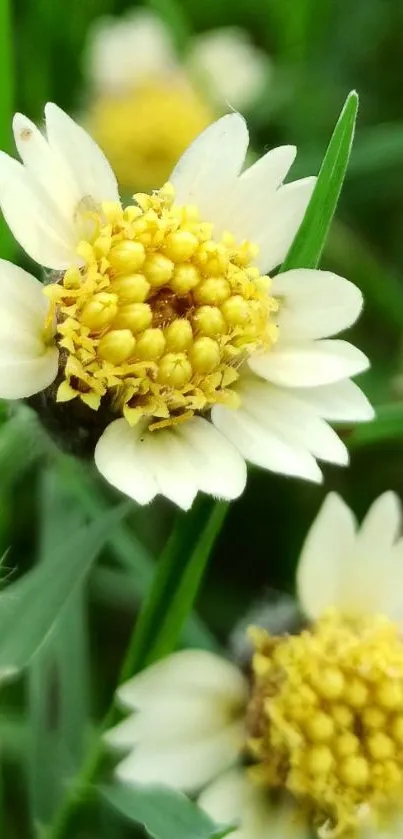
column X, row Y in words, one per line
column 144, row 81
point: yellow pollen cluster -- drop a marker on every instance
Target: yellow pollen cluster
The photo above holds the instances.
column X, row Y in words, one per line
column 144, row 131
column 160, row 316
column 325, row 720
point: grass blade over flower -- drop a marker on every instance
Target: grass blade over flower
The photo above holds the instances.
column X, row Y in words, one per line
column 306, row 249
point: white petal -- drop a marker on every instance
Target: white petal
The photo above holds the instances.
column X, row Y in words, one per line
column 176, row 462
column 171, row 718
column 219, row 468
column 371, row 573
column 33, row 218
column 291, row 419
column 21, row 377
column 341, row 401
column 211, row 164
column 324, row 561
column 45, row 169
column 246, row 209
column 27, row 364
column 286, row 213
column 260, row 444
column 186, row 766
column 233, row 797
column 310, row 363
column 83, row 161
column 119, row 458
column 314, row 304
column 22, row 296
column 188, row 672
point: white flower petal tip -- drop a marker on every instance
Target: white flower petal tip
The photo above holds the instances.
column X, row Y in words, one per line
column 315, row 304
column 188, row 720
column 181, row 673
column 325, row 555
column 177, row 462
column 211, row 164
column 40, row 197
column 309, row 364
column 28, row 364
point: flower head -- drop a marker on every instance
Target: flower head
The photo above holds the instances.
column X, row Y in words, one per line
column 146, row 104
column 174, row 346
column 320, row 719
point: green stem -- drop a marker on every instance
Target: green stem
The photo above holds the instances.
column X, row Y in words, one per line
column 6, row 107
column 177, row 581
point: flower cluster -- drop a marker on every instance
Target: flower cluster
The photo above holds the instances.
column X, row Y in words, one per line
column 159, row 328
column 318, row 720
column 146, row 105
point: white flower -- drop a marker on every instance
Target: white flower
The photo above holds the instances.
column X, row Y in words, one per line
column 194, row 715
column 233, row 68
column 123, row 52
column 167, row 318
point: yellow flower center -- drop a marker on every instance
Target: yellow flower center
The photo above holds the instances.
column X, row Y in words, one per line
column 160, row 316
column 144, row 132
column 325, row 719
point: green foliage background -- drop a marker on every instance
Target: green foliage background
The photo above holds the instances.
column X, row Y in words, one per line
column 320, row 50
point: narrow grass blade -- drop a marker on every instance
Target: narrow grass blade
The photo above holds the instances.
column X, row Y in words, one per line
column 174, row 587
column 306, row 249
column 188, row 585
column 126, row 547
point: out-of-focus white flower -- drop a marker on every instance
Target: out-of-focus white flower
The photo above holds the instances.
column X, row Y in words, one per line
column 167, row 324
column 122, row 52
column 234, row 69
column 321, row 719
column 146, row 105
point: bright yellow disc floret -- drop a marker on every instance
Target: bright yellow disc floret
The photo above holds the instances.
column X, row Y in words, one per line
column 161, row 315
column 326, row 720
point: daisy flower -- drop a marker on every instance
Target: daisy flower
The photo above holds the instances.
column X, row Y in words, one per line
column 159, row 333
column 146, row 104
column 313, row 736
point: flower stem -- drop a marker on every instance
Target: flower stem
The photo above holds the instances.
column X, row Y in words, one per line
column 6, row 106
column 158, row 628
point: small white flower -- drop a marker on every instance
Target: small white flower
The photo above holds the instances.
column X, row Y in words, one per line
column 121, row 52
column 233, row 68
column 322, row 718
column 200, row 361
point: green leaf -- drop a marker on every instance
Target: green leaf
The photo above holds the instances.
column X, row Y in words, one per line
column 188, row 585
column 7, row 245
column 306, row 249
column 165, row 813
column 387, row 425
column 174, row 587
column 126, row 547
column 21, row 443
column 31, row 608
column 58, row 676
